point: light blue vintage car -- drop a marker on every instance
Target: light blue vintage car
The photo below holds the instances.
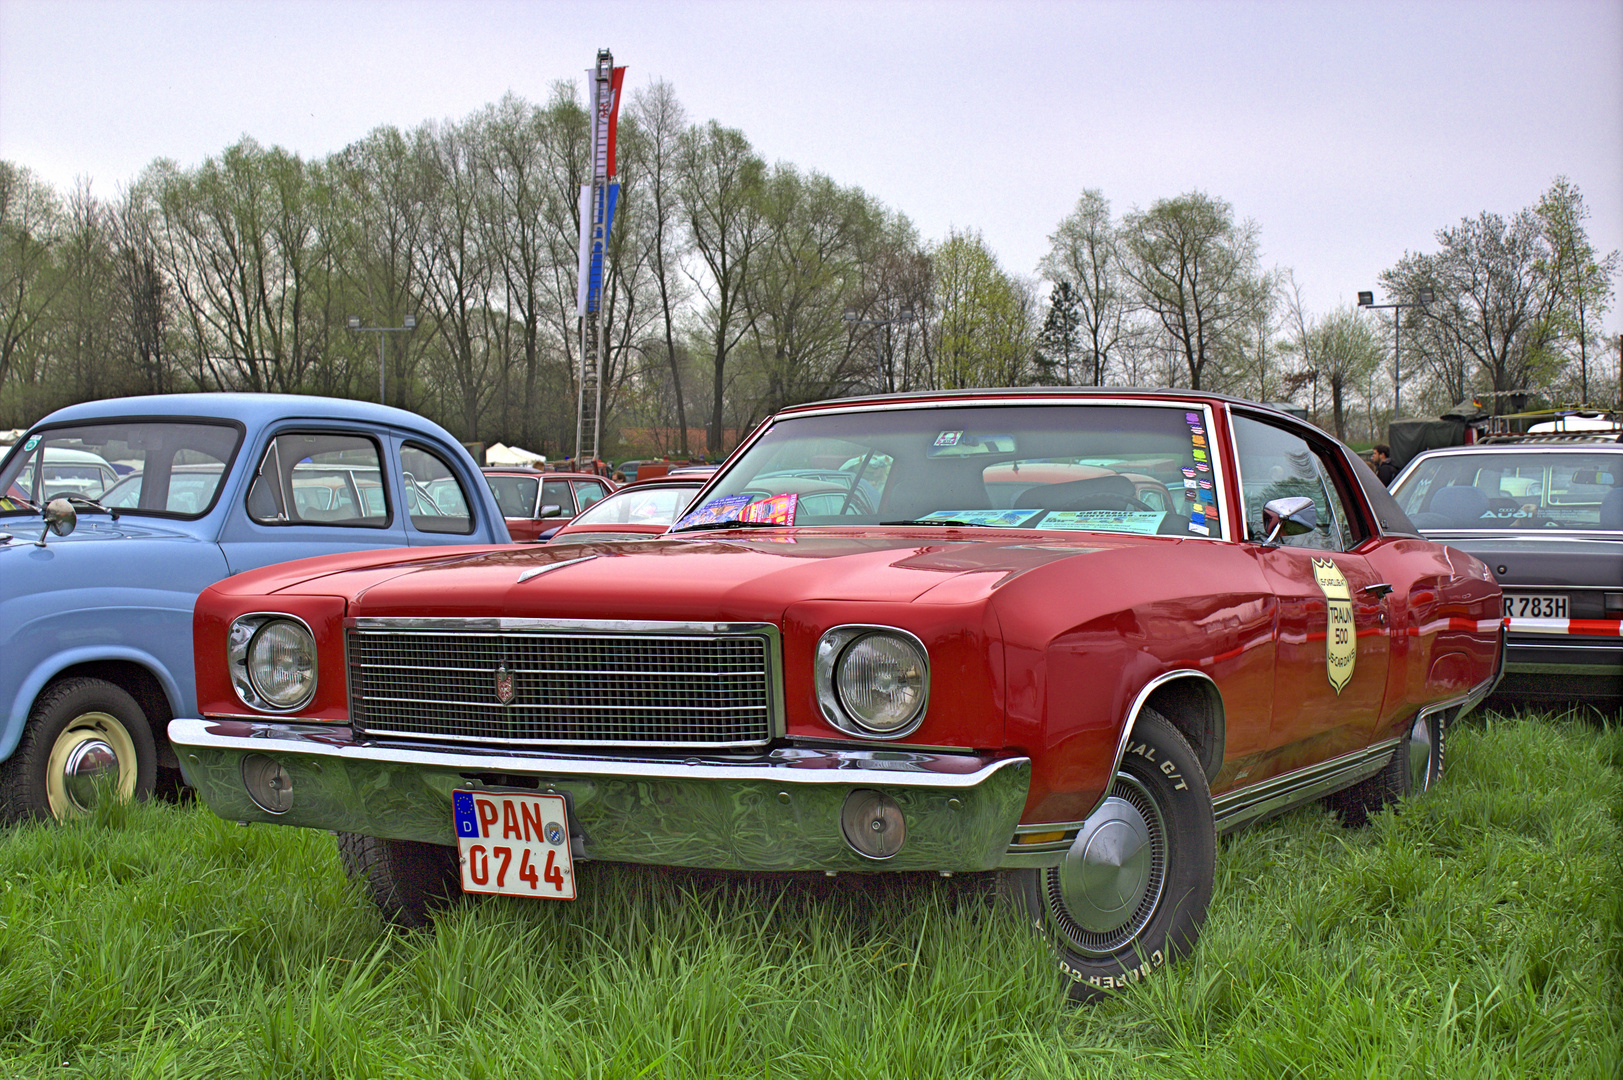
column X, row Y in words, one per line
column 114, row 515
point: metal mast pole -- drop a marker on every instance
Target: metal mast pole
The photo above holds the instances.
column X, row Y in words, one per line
column 589, row 412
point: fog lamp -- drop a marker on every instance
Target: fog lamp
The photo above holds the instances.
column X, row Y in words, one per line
column 267, row 783
column 873, row 824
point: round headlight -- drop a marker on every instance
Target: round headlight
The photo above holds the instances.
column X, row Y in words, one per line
column 282, row 663
column 883, row 680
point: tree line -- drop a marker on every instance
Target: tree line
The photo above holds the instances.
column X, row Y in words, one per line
column 733, row 287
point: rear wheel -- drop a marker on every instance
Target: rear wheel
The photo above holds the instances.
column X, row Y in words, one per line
column 1132, row 891
column 84, row 737
column 1416, row 765
column 408, row 880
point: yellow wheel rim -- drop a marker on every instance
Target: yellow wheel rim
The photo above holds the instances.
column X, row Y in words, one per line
column 93, row 744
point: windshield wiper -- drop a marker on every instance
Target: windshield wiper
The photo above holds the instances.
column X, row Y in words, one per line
column 940, row 521
column 730, row 523
column 92, row 504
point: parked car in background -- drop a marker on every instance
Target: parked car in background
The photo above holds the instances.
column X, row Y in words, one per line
column 1545, row 513
column 851, row 656
column 537, row 504
column 96, row 621
column 638, row 510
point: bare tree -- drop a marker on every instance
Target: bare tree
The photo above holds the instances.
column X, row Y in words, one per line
column 1082, row 251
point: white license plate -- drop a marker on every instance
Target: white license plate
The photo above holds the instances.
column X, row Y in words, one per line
column 514, row 845
column 1535, row 606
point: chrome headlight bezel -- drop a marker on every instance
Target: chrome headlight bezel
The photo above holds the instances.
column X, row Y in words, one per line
column 832, row 650
column 245, row 630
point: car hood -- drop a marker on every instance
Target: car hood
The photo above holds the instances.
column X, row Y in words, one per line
column 744, row 579
column 25, row 530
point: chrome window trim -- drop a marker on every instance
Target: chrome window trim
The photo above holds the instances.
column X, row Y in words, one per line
column 1219, row 488
column 237, row 663
column 830, row 645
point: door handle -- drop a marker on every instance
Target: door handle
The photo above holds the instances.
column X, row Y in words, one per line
column 1378, row 590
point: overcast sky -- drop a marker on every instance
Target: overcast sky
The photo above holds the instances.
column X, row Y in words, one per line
column 1349, row 131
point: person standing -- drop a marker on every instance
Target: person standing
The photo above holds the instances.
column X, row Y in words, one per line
column 1381, row 460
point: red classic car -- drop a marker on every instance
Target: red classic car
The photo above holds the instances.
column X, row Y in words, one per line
column 536, row 504
column 866, row 647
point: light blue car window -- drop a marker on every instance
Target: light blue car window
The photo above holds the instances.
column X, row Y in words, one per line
column 446, row 511
column 319, row 478
column 154, row 467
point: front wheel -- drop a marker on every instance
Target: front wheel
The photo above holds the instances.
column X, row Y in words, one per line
column 83, row 737
column 408, row 880
column 1132, row 891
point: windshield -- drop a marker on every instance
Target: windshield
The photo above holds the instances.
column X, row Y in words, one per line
column 638, row 506
column 1084, row 467
column 1515, row 489
column 155, row 467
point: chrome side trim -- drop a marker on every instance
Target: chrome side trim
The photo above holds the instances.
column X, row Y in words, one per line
column 1132, row 719
column 609, row 626
column 775, row 811
column 537, row 571
column 1236, row 808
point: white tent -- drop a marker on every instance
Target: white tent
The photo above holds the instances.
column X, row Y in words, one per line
column 497, row 454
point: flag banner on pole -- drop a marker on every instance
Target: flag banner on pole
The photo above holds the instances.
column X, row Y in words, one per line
column 585, row 248
column 589, row 290
column 605, row 111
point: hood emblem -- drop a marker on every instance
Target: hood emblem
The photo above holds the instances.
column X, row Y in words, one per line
column 504, row 685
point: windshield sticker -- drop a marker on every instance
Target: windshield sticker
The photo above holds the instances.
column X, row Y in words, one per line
column 1122, row 521
column 1198, row 440
column 1192, row 417
column 721, row 509
column 1200, row 455
column 1340, row 643
column 948, row 438
column 778, row 510
column 32, row 442
column 1196, row 429
column 1190, row 483
column 1003, row 519
column 1188, row 473
column 1203, row 530
column 1203, row 467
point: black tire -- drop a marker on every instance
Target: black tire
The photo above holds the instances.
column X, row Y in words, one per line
column 1160, row 814
column 1416, row 765
column 408, row 880
column 79, row 728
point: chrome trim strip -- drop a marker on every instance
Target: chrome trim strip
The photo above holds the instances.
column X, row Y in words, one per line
column 775, row 811
column 537, row 571
column 1236, row 808
column 704, row 746
column 502, row 623
column 1132, row 719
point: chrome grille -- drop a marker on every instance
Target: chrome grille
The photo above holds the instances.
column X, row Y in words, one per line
column 569, row 685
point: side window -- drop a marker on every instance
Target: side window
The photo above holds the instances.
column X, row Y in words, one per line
column 435, row 498
column 1277, row 464
column 315, row 478
column 587, row 492
column 556, row 493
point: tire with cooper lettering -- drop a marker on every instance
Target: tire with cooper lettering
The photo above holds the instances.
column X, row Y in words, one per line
column 1132, row 893
column 408, row 880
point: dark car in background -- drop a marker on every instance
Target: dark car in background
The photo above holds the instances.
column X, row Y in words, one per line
column 1545, row 512
column 536, row 504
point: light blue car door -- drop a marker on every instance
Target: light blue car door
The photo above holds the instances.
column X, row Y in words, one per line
column 314, row 489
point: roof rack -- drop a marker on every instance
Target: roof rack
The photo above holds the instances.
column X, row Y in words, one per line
column 1551, row 438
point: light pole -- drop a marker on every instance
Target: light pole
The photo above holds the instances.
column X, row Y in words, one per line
column 410, row 323
column 905, row 315
column 1422, row 298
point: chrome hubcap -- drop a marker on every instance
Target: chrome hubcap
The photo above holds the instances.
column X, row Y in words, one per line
column 1109, row 884
column 88, row 762
column 1421, row 749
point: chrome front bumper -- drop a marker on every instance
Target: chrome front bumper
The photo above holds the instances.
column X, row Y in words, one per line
column 776, row 811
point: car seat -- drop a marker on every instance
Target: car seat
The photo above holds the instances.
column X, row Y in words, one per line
column 1611, row 509
column 1462, row 506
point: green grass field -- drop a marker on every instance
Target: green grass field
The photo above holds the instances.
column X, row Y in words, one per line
column 1476, row 934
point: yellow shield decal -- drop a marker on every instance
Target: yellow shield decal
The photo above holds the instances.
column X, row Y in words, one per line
column 1340, row 639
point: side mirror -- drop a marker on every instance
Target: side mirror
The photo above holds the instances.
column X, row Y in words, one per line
column 552, row 510
column 1292, row 516
column 60, row 518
